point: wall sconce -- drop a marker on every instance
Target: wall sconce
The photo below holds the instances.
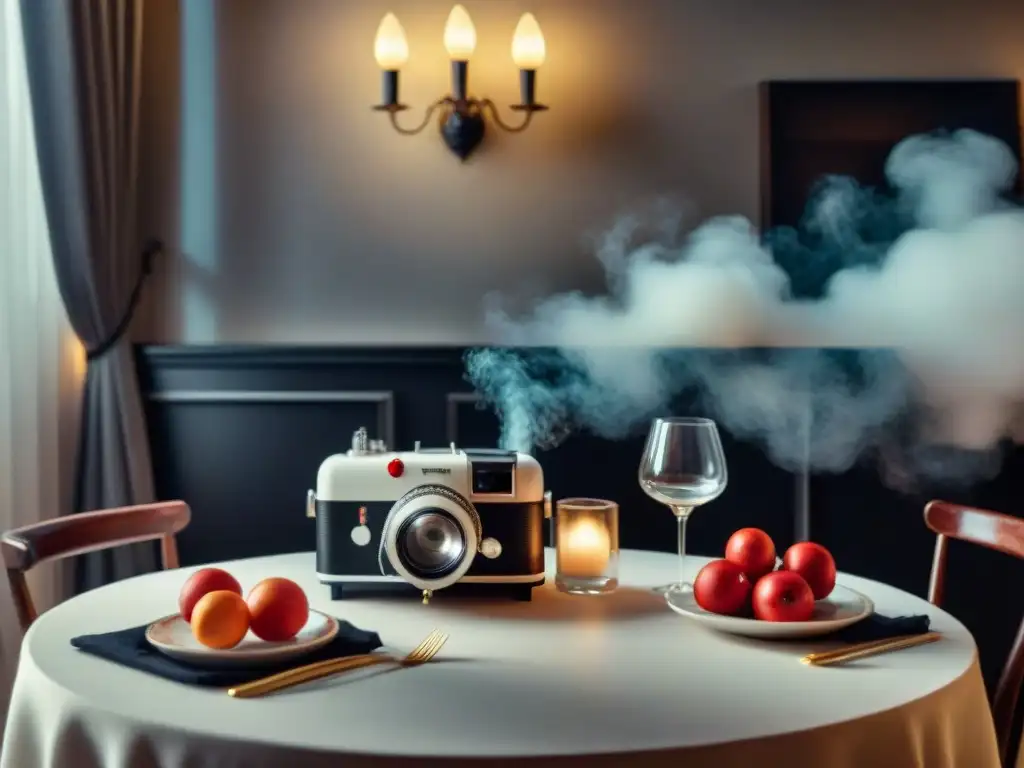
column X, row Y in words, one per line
column 462, row 118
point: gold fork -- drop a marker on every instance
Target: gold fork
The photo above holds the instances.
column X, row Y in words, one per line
column 421, row 654
column 870, row 648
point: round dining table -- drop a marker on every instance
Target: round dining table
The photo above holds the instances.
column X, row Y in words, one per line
column 609, row 680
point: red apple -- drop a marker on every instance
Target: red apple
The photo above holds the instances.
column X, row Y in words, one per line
column 201, row 583
column 815, row 564
column 752, row 550
column 722, row 587
column 783, row 596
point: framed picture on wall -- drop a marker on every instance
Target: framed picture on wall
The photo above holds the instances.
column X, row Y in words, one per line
column 812, row 129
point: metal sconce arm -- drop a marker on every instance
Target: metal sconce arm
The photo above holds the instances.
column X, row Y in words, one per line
column 529, row 109
column 461, row 121
column 394, row 109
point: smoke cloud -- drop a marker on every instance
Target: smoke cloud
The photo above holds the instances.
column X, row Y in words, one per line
column 885, row 325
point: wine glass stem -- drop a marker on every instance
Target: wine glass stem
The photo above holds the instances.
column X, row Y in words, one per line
column 681, row 515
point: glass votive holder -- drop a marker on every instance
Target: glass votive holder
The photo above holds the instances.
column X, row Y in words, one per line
column 586, row 546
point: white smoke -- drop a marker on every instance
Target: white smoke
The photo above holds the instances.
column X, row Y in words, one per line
column 938, row 318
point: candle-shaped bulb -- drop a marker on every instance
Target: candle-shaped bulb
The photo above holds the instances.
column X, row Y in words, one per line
column 459, row 34
column 528, row 47
column 391, row 49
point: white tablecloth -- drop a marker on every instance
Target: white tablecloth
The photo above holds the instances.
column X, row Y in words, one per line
column 559, row 677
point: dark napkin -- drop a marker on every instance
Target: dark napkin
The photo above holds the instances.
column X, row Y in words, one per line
column 130, row 648
column 879, row 627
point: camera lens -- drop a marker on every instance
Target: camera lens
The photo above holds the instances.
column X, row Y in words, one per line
column 431, row 536
column 431, row 543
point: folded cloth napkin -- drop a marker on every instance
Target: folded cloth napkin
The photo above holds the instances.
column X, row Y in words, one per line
column 879, row 627
column 130, row 648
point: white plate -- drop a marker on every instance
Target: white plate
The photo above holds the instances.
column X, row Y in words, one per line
column 837, row 611
column 172, row 636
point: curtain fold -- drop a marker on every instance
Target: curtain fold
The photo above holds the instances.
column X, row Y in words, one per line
column 42, row 364
column 84, row 62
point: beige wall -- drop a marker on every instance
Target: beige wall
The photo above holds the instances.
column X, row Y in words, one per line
column 297, row 215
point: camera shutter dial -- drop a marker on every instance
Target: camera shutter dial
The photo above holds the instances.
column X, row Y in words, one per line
column 490, row 548
column 361, row 535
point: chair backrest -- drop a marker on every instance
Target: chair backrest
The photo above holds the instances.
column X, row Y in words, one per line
column 1002, row 533
column 26, row 547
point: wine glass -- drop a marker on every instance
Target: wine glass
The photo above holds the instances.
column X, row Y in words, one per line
column 683, row 467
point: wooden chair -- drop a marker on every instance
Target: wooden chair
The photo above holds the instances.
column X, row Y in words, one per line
column 994, row 531
column 26, row 547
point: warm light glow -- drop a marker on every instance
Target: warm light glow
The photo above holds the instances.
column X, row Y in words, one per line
column 73, row 348
column 584, row 549
column 391, row 49
column 459, row 34
column 528, row 48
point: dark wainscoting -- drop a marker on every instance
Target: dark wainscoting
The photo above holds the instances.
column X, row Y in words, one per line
column 239, row 433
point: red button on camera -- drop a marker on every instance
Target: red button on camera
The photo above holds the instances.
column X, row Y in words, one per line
column 396, row 467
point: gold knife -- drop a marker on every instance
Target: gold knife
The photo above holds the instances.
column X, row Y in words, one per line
column 871, row 648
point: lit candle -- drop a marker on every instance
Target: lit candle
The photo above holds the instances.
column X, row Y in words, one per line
column 391, row 50
column 528, row 53
column 460, row 42
column 584, row 549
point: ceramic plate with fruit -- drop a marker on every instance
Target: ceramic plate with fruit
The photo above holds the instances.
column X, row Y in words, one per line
column 217, row 626
column 752, row 592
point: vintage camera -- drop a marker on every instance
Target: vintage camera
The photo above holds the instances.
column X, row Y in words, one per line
column 466, row 520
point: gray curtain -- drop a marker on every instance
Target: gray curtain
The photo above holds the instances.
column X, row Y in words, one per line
column 84, row 64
